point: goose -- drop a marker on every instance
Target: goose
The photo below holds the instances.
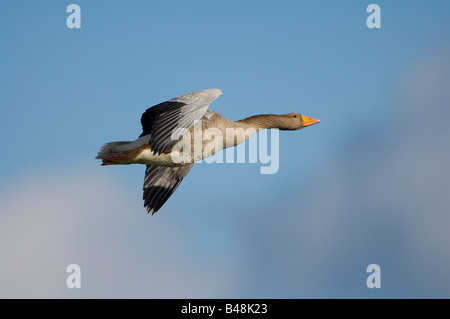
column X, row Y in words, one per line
column 169, row 129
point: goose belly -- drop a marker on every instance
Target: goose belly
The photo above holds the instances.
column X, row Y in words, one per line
column 148, row 158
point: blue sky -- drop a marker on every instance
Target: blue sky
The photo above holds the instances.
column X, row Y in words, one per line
column 65, row 92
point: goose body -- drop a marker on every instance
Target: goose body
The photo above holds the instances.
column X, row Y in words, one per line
column 173, row 127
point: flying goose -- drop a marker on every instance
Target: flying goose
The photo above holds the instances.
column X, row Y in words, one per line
column 169, row 128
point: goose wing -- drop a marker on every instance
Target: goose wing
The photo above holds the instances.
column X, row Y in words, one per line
column 160, row 183
column 166, row 122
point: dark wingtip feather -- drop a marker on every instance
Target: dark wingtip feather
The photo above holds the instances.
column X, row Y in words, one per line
column 160, row 183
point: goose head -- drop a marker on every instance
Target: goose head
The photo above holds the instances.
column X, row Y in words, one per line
column 295, row 121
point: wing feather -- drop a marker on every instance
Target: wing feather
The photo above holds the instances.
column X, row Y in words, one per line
column 177, row 115
column 160, row 183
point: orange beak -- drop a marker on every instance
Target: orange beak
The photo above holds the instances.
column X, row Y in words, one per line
column 308, row 121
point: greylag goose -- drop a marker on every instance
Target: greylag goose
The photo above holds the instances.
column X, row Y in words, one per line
column 169, row 129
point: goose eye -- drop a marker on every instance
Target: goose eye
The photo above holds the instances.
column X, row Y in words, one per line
column 295, row 116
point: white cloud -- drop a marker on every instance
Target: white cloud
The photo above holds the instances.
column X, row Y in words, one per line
column 81, row 216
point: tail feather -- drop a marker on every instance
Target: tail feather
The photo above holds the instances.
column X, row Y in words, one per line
column 114, row 147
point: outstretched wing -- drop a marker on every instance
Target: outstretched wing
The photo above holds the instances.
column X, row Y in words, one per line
column 160, row 182
column 166, row 122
